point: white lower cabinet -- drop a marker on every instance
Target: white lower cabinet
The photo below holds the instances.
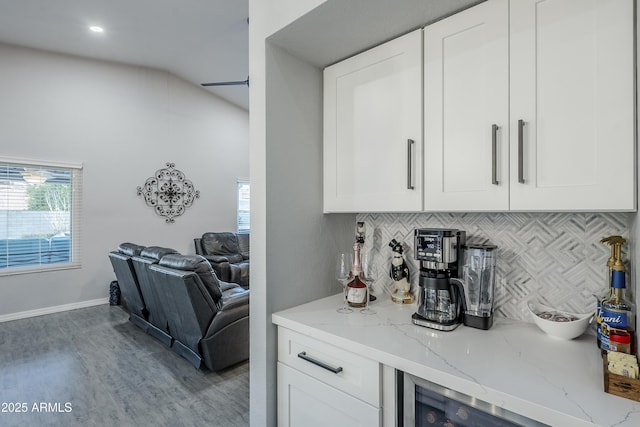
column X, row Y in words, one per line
column 305, row 401
column 323, row 385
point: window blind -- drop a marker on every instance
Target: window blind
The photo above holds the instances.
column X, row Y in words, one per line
column 40, row 216
column 244, row 207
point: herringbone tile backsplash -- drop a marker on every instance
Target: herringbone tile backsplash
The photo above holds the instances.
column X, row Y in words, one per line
column 556, row 256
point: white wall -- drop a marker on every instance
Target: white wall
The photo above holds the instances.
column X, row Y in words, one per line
column 122, row 123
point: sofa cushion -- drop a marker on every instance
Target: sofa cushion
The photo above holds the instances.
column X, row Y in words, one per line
column 200, row 266
column 156, row 252
column 225, row 244
column 243, row 245
column 239, row 273
column 130, row 249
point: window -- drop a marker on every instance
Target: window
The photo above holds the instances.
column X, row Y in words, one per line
column 39, row 216
column 244, row 225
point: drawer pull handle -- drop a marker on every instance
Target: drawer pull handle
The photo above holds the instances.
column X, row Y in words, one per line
column 303, row 356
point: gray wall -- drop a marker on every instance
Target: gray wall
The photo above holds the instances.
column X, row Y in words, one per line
column 122, row 123
column 300, row 240
column 286, row 219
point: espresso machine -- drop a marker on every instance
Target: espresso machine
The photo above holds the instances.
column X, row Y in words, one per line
column 440, row 252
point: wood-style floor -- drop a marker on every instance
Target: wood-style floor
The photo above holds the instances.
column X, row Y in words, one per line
column 92, row 367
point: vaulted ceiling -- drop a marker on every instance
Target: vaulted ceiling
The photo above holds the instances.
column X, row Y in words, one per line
column 197, row 40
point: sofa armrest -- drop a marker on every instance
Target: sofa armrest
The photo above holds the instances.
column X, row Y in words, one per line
column 239, row 273
column 225, row 286
column 234, row 296
column 216, row 259
column 234, row 308
column 197, row 242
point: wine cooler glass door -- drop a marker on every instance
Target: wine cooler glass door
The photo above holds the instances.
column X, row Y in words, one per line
column 426, row 404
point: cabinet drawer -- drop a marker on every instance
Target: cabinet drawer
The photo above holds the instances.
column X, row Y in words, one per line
column 344, row 370
column 306, row 402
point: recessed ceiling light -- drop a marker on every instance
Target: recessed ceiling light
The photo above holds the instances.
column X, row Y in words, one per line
column 96, row 29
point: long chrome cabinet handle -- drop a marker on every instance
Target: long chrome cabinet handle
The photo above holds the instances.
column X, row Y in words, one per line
column 410, row 143
column 521, row 151
column 494, row 154
column 303, row 355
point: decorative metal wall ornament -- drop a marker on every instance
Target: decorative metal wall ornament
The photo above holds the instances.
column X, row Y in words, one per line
column 168, row 192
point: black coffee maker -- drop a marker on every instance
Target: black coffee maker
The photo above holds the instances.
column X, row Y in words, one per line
column 440, row 253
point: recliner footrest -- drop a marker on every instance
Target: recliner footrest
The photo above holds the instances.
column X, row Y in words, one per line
column 184, row 351
column 138, row 321
column 160, row 335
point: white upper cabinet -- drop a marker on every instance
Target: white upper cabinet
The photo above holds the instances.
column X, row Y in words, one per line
column 529, row 105
column 373, row 129
column 572, row 105
column 466, row 120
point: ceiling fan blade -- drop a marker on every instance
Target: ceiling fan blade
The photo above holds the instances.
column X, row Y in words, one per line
column 235, row 83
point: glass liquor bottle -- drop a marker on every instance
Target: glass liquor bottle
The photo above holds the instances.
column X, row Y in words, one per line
column 618, row 313
column 357, row 291
column 614, row 263
column 612, row 241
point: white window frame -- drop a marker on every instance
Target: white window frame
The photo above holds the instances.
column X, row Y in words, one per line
column 76, row 215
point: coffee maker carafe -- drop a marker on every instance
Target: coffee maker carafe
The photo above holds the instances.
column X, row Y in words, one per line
column 440, row 254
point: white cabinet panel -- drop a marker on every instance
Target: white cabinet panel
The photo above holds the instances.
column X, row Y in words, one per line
column 466, row 107
column 373, row 129
column 572, row 105
column 358, row 376
column 307, row 402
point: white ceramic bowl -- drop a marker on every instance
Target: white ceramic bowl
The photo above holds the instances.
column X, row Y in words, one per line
column 563, row 328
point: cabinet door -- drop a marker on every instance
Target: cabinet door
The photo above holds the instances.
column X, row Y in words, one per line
column 572, row 105
column 466, row 116
column 373, row 129
column 306, row 402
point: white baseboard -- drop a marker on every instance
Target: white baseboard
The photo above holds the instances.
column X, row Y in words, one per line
column 54, row 309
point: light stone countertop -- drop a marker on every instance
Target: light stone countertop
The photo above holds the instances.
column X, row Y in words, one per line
column 513, row 365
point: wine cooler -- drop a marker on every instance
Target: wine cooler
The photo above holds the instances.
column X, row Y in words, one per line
column 422, row 403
